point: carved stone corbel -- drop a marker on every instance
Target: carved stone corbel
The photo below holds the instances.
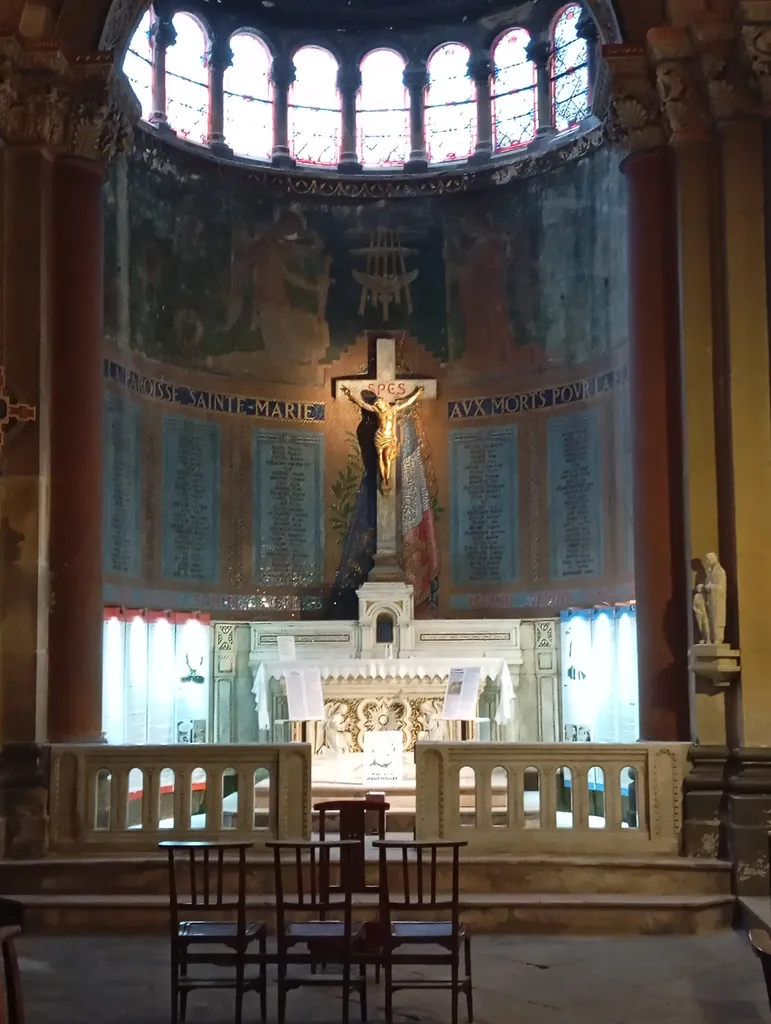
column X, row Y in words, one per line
column 725, row 78
column 634, row 120
column 678, row 84
column 83, row 107
column 754, row 20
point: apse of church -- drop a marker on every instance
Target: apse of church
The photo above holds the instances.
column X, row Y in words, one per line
column 236, row 486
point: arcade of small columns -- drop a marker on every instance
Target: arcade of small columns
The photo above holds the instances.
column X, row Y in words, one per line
column 480, row 67
column 690, row 111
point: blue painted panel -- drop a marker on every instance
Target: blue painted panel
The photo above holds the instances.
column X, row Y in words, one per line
column 288, row 507
column 485, row 511
column 574, row 448
column 191, row 500
column 122, row 486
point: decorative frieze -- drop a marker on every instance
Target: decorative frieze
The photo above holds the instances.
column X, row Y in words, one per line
column 634, row 120
column 754, row 20
column 83, row 106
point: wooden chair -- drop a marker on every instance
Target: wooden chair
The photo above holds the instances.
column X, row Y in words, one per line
column 353, row 815
column 197, row 870
column 336, row 941
column 446, row 936
column 12, row 1003
column 760, row 941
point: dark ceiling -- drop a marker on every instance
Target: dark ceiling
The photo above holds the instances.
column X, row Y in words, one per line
column 351, row 15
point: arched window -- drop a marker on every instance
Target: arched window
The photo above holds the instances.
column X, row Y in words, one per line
column 314, row 108
column 138, row 65
column 569, row 71
column 187, row 88
column 383, row 117
column 248, row 98
column 514, row 95
column 451, row 110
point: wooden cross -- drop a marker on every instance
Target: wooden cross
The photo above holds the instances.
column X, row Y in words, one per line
column 390, row 388
column 16, row 411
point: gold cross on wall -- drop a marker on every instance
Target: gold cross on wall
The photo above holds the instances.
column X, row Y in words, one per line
column 16, row 411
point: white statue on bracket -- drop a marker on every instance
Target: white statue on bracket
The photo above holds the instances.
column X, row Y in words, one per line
column 715, row 585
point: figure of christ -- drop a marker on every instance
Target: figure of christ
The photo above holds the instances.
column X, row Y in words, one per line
column 386, row 439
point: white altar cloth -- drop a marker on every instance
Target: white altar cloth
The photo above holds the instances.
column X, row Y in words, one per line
column 385, row 668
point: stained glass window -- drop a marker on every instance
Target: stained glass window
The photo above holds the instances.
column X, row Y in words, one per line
column 187, row 89
column 451, row 110
column 248, row 98
column 314, row 108
column 514, row 94
column 383, row 116
column 570, row 71
column 138, row 65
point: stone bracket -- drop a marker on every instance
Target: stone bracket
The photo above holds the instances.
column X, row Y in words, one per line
column 719, row 664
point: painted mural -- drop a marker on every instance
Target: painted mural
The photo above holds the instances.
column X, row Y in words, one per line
column 224, row 279
column 228, row 311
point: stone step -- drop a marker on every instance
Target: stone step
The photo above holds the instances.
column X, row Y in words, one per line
column 137, row 876
column 521, row 913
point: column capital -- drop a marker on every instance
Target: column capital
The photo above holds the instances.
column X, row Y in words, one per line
column 754, row 23
column 634, row 120
column 349, row 78
column 678, row 83
column 539, row 51
column 282, row 71
column 415, row 75
column 162, row 32
column 80, row 106
column 219, row 56
column 481, row 68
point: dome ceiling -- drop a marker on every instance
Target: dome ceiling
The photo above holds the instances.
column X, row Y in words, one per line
column 358, row 14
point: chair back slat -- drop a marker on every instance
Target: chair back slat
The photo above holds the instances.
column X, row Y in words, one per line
column 197, row 879
column 353, row 815
column 419, row 858
column 303, row 876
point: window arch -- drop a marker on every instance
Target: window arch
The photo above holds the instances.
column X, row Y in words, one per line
column 138, row 65
column 187, row 88
column 383, row 115
column 314, row 108
column 248, row 98
column 514, row 92
column 451, row 110
column 569, row 71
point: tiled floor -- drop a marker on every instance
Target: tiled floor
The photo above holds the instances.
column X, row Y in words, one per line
column 655, row 980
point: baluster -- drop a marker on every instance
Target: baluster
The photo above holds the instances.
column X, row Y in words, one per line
column 613, row 807
column 118, row 799
column 580, row 797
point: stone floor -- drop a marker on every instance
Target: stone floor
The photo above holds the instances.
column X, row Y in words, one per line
column 655, row 980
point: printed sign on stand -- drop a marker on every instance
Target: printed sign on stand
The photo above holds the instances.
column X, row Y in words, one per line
column 304, row 695
column 383, row 757
column 460, row 699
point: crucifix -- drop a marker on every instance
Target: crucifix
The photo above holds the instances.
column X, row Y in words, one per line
column 9, row 410
column 388, row 397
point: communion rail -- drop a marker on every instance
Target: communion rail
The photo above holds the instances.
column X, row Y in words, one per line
column 129, row 798
column 545, row 798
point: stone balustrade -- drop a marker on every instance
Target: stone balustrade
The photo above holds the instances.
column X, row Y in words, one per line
column 128, row 798
column 552, row 798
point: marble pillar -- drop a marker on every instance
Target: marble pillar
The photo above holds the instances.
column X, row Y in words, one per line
column 659, row 550
column 348, row 83
column 75, row 553
column 480, row 69
column 162, row 36
column 539, row 52
column 416, row 83
column 218, row 59
column 282, row 74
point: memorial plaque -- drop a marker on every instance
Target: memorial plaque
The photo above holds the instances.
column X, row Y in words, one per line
column 191, row 500
column 574, row 447
column 626, row 495
column 485, row 511
column 288, row 495
column 122, row 486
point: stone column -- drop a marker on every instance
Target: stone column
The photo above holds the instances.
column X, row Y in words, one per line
column 416, row 83
column 282, row 74
column 162, row 36
column 655, row 393
column 349, row 83
column 62, row 126
column 539, row 52
column 480, row 69
column 218, row 58
column 75, row 555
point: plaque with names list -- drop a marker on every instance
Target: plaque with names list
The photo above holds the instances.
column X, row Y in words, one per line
column 122, row 486
column 574, row 452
